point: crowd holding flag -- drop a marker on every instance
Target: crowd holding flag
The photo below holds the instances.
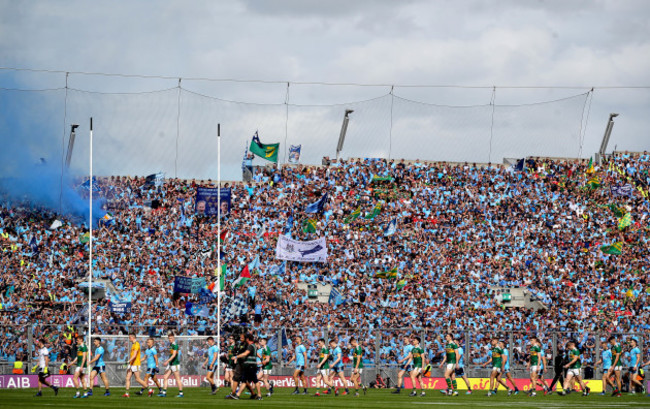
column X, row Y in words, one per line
column 615, row 249
column 375, row 212
column 264, row 151
column 243, row 278
column 391, row 228
column 392, row 273
column 624, row 221
column 353, row 216
column 317, row 206
column 309, row 226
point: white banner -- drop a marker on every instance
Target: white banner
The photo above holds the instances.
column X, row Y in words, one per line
column 294, row 250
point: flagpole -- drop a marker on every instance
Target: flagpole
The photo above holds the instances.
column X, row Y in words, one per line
column 219, row 250
column 90, row 252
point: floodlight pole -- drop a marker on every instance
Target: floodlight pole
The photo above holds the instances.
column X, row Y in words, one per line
column 344, row 130
column 68, row 156
column 605, row 141
column 90, row 251
column 219, row 269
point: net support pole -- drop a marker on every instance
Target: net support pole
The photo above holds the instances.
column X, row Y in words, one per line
column 90, row 247
column 220, row 270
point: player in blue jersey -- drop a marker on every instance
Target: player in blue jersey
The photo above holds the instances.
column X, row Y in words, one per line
column 633, row 368
column 460, row 367
column 404, row 363
column 211, row 364
column 506, row 370
column 152, row 367
column 99, row 368
column 606, row 361
column 300, row 357
column 337, row 366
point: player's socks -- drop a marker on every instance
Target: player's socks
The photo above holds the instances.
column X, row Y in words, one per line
column 448, row 383
column 454, row 384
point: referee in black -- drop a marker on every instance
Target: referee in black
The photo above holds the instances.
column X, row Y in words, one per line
column 558, row 366
column 247, row 362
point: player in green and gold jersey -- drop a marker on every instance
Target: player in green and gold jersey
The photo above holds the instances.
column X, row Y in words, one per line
column 357, row 366
column 574, row 370
column 264, row 353
column 173, row 366
column 418, row 358
column 323, row 367
column 617, row 364
column 230, row 366
column 496, row 359
column 79, row 379
column 451, row 359
column 536, row 365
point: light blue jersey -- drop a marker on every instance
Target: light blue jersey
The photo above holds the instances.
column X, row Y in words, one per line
column 213, row 351
column 607, row 359
column 541, row 359
column 407, row 351
column 461, row 358
column 633, row 355
column 100, row 351
column 506, row 359
column 260, row 352
column 338, row 354
column 300, row 357
column 151, row 357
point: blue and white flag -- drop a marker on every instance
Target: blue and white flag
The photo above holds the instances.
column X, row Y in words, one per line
column 289, row 226
column 196, row 310
column 273, row 341
column 304, row 251
column 625, row 190
column 317, row 206
column 335, row 297
column 154, row 180
column 86, row 185
column 294, row 153
column 391, row 228
column 120, row 307
column 279, row 269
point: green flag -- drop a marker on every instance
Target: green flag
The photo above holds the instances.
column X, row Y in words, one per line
column 375, row 211
column 268, row 152
column 309, row 226
column 614, row 249
column 387, row 274
column 594, row 183
column 618, row 212
column 624, row 221
column 352, row 217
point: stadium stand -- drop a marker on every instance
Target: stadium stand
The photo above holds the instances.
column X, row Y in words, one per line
column 549, row 228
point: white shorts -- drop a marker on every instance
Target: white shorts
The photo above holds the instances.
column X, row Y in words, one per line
column 575, row 372
column 324, row 372
column 534, row 369
column 134, row 368
column 359, row 371
column 228, row 369
column 79, row 369
column 416, row 371
column 173, row 368
column 266, row 371
column 496, row 368
column 451, row 367
column 618, row 368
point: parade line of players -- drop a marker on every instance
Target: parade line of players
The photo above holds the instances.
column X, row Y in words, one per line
column 248, row 365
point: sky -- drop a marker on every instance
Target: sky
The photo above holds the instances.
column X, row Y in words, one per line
column 402, row 51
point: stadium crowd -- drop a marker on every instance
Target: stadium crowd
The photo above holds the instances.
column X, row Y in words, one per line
column 460, row 229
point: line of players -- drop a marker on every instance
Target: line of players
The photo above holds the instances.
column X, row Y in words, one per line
column 249, row 364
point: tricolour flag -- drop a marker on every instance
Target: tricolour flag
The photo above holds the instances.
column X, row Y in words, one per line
column 243, row 278
column 352, row 217
column 268, row 152
column 614, row 249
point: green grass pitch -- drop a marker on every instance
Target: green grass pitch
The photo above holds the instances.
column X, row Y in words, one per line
column 378, row 398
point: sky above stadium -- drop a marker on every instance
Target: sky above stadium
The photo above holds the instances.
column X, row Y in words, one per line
column 581, row 43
